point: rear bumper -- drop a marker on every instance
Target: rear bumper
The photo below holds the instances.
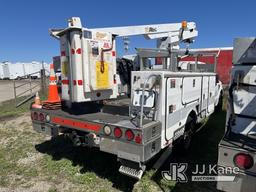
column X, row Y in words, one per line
column 47, row 129
column 139, row 153
column 245, row 180
column 132, row 152
column 242, row 183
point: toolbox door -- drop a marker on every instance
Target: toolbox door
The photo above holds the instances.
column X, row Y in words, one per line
column 173, row 108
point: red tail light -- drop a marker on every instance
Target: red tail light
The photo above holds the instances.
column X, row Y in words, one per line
column 138, row 139
column 65, row 81
column 118, row 132
column 41, row 117
column 35, row 116
column 243, row 161
column 129, row 135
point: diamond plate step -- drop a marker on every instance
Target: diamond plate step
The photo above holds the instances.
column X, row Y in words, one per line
column 131, row 172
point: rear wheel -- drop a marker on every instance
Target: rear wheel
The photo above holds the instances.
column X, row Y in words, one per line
column 188, row 134
column 185, row 141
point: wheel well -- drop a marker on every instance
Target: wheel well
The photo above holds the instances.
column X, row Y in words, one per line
column 193, row 115
column 221, row 93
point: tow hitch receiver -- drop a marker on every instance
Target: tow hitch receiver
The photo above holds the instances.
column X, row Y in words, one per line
column 132, row 172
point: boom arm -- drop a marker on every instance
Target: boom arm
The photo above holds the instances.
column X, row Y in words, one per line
column 172, row 33
column 151, row 31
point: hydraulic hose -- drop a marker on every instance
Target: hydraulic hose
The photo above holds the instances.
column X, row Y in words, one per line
column 102, row 68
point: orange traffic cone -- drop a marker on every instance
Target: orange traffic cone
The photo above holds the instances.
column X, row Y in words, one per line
column 37, row 103
column 53, row 101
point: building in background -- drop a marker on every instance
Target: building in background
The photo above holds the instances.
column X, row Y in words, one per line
column 20, row 70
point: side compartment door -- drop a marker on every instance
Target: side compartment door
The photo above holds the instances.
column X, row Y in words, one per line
column 205, row 95
column 191, row 90
column 173, row 108
column 211, row 94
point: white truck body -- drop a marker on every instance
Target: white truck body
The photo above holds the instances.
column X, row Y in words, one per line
column 163, row 105
column 180, row 94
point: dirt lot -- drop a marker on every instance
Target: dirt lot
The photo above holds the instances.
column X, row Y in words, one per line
column 33, row 162
column 7, row 90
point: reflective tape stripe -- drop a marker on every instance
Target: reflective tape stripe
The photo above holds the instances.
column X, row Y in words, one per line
column 65, row 82
column 77, row 82
column 79, row 51
column 78, row 124
column 80, row 82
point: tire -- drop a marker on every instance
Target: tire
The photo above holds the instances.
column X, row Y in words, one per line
column 185, row 141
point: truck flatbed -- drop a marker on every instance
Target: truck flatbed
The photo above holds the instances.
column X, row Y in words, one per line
column 110, row 114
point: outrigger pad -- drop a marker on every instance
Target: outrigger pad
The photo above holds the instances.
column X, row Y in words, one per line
column 131, row 172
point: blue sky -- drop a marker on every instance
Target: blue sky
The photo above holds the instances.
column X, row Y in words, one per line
column 24, row 24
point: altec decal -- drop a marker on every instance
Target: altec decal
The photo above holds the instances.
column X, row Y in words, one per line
column 77, row 124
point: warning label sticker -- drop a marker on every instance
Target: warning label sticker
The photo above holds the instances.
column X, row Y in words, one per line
column 102, row 79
